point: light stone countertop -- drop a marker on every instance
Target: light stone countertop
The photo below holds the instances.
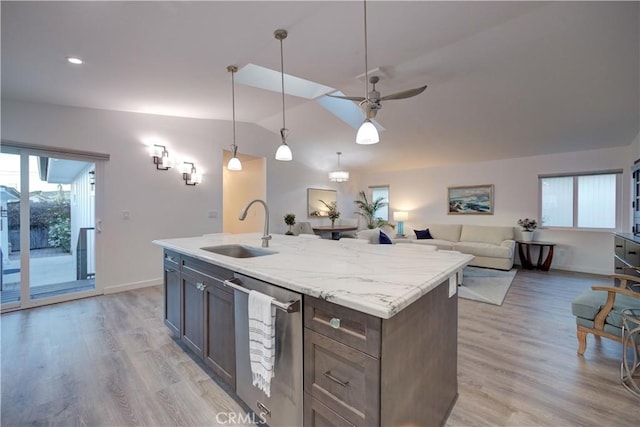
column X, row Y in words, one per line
column 379, row 280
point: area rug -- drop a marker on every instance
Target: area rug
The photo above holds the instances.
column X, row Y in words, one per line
column 485, row 284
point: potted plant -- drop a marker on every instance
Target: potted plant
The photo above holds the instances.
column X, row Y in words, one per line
column 290, row 220
column 368, row 210
column 333, row 213
column 528, row 225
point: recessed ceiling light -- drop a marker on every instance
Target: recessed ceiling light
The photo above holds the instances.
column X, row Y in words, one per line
column 75, row 61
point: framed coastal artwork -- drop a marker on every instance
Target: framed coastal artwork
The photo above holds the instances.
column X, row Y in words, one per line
column 470, row 200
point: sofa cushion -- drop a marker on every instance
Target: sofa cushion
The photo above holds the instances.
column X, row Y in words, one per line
column 372, row 235
column 440, row 244
column 423, row 234
column 449, row 232
column 486, row 234
column 483, row 249
column 383, row 239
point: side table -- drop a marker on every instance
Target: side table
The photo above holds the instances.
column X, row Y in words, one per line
column 630, row 366
column 524, row 249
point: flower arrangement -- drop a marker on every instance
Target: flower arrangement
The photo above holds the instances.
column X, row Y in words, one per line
column 528, row 224
column 333, row 212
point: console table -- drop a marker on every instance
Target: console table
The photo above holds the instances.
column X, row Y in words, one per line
column 524, row 249
column 335, row 230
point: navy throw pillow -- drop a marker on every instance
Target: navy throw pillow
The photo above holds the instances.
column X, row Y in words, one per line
column 423, row 234
column 384, row 239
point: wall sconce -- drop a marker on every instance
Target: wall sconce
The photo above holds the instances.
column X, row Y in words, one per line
column 190, row 176
column 400, row 217
column 161, row 157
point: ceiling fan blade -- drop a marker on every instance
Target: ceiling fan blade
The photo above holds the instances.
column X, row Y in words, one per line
column 350, row 98
column 404, row 94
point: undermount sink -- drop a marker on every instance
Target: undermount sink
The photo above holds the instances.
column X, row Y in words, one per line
column 237, row 251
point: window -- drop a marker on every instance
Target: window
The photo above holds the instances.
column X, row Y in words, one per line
column 586, row 200
column 381, row 192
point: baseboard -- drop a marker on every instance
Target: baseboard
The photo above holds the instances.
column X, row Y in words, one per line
column 587, row 270
column 131, row 286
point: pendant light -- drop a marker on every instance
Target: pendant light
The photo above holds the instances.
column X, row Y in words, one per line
column 367, row 134
column 339, row 175
column 234, row 162
column 284, row 152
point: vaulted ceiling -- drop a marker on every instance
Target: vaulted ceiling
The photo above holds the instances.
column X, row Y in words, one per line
column 505, row 79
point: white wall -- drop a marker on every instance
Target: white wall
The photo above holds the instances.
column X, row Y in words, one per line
column 159, row 202
column 423, row 193
column 162, row 206
column 287, row 184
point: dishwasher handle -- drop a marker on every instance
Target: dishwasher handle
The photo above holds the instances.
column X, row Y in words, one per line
column 289, row 307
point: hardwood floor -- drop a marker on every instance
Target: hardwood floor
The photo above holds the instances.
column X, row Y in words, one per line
column 110, row 361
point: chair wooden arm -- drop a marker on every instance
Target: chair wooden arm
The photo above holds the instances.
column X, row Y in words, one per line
column 624, row 278
column 611, row 299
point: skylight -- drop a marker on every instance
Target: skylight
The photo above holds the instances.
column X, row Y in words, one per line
column 265, row 78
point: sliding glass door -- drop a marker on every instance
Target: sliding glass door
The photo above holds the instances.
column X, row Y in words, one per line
column 48, row 234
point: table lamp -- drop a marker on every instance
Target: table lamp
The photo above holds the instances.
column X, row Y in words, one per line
column 400, row 217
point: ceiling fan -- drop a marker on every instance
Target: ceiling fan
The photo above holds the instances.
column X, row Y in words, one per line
column 371, row 102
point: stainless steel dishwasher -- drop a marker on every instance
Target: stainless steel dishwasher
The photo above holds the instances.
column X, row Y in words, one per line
column 284, row 407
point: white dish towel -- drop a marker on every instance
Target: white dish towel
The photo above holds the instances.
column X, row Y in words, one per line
column 262, row 342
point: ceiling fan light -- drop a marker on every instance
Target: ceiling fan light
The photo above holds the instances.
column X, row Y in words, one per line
column 234, row 164
column 367, row 134
column 284, row 153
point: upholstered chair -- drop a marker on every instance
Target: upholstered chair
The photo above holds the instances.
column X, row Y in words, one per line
column 599, row 310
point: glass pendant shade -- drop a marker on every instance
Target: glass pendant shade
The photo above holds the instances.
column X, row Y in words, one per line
column 339, row 176
column 367, row 134
column 284, row 153
column 234, row 164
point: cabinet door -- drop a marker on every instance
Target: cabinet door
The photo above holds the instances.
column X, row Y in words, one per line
column 220, row 345
column 193, row 314
column 172, row 300
column 318, row 415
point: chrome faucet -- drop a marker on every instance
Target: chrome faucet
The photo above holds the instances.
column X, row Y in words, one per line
column 265, row 235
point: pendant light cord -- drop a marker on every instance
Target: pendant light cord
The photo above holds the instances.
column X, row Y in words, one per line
column 366, row 62
column 282, row 78
column 233, row 107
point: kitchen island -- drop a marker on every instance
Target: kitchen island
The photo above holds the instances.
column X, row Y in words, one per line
column 379, row 323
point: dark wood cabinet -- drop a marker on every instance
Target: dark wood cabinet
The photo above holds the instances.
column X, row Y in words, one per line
column 365, row 371
column 193, row 313
column 220, row 346
column 635, row 202
column 626, row 253
column 199, row 310
column 172, row 293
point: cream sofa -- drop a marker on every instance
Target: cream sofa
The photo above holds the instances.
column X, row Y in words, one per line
column 492, row 246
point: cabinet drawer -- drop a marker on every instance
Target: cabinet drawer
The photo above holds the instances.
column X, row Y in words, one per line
column 192, row 265
column 620, row 266
column 618, row 244
column 172, row 259
column 632, row 253
column 318, row 415
column 342, row 378
column 353, row 328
